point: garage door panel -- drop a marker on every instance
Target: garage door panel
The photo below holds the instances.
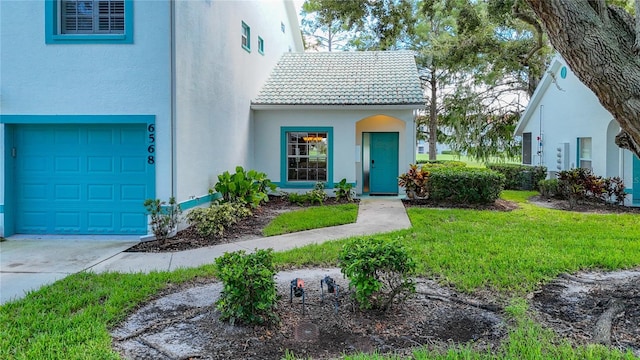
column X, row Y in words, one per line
column 85, row 181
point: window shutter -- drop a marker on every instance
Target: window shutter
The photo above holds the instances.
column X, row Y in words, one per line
column 92, row 17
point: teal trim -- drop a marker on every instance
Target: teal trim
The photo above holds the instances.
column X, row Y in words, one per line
column 635, row 185
column 77, row 119
column 9, row 182
column 628, row 191
column 246, row 32
column 304, row 185
column 51, row 18
column 577, row 152
column 260, row 45
column 563, row 72
column 284, row 183
column 1, row 209
column 189, row 204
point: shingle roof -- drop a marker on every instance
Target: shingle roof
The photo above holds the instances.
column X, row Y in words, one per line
column 343, row 78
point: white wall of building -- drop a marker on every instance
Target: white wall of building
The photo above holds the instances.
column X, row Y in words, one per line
column 216, row 80
column 348, row 126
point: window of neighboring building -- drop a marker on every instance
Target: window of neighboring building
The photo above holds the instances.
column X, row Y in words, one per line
column 526, row 148
column 307, row 154
column 89, row 21
column 246, row 37
column 282, row 27
column 584, row 152
column 260, row 45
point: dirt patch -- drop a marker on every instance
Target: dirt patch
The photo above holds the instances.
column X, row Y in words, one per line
column 246, row 229
column 498, row 205
column 185, row 324
column 593, row 307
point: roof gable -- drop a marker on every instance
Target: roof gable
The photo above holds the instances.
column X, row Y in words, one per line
column 343, row 78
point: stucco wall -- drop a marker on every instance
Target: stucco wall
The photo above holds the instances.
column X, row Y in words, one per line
column 216, row 80
column 568, row 110
column 348, row 126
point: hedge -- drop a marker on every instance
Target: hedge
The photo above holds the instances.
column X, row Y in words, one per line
column 520, row 177
column 465, row 185
column 439, row 163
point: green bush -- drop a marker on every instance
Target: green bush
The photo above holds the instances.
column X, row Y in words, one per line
column 520, row 177
column 344, row 190
column 581, row 184
column 379, row 271
column 317, row 195
column 439, row 163
column 549, row 188
column 249, row 290
column 250, row 187
column 164, row 218
column 465, row 185
column 215, row 219
column 299, row 199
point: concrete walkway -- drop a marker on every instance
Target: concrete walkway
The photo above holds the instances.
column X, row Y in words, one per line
column 27, row 263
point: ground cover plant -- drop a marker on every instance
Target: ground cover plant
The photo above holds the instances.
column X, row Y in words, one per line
column 506, row 253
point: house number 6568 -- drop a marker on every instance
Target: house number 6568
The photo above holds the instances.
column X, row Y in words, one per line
column 151, row 149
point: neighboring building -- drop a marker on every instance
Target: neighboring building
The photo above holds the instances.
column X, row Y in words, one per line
column 339, row 115
column 106, row 103
column 565, row 126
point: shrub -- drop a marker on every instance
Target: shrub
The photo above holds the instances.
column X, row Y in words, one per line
column 549, row 188
column 520, row 177
column 465, row 185
column 415, row 181
column 380, row 272
column 249, row 291
column 250, row 187
column 215, row 219
column 317, row 195
column 615, row 190
column 581, row 184
column 164, row 218
column 299, row 199
column 344, row 190
column 439, row 163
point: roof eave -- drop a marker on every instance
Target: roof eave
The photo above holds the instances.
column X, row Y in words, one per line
column 406, row 106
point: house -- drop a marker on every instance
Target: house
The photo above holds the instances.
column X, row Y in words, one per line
column 323, row 117
column 106, row 103
column 565, row 126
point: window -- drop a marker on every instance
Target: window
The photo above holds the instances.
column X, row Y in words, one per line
column 526, row 148
column 89, row 21
column 282, row 27
column 246, row 37
column 260, row 45
column 584, row 152
column 307, row 155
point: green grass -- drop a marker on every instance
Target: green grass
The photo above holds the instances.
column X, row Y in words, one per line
column 465, row 159
column 314, row 217
column 511, row 252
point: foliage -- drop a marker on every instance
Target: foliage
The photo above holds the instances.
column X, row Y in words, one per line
column 344, row 190
column 215, row 219
column 312, row 218
column 465, row 185
column 323, row 26
column 249, row 290
column 415, row 181
column 379, row 270
column 549, row 188
column 250, row 187
column 520, row 177
column 164, row 218
column 317, row 195
column 581, row 184
column 298, row 199
column 437, row 163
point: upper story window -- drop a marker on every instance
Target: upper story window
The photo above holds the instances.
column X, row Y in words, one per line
column 260, row 45
column 89, row 21
column 246, row 37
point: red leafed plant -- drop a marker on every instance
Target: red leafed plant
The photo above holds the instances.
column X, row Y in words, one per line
column 415, row 181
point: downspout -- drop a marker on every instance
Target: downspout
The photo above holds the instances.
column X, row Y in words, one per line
column 172, row 20
column 541, row 139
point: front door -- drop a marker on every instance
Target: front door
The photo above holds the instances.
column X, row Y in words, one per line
column 383, row 158
column 635, row 200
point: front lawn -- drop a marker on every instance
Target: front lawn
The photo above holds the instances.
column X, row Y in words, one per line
column 314, row 217
column 508, row 252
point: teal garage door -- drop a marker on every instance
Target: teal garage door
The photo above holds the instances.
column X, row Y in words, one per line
column 82, row 179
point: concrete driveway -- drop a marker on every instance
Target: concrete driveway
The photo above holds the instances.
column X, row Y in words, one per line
column 28, row 262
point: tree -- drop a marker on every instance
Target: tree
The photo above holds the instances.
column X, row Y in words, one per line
column 601, row 45
column 323, row 25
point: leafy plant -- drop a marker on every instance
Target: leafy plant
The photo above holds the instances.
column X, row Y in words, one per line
column 317, row 195
column 549, row 188
column 249, row 290
column 415, row 181
column 615, row 190
column 344, row 190
column 215, row 219
column 250, row 187
column 520, row 177
column 379, row 270
column 299, row 199
column 164, row 218
column 465, row 185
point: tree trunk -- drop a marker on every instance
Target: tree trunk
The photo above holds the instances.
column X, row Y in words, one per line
column 598, row 46
column 433, row 116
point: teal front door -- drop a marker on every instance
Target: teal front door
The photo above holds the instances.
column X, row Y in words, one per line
column 636, row 182
column 383, row 165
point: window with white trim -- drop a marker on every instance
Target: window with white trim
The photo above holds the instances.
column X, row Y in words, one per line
column 92, row 17
column 307, row 156
column 584, row 152
column 246, row 37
